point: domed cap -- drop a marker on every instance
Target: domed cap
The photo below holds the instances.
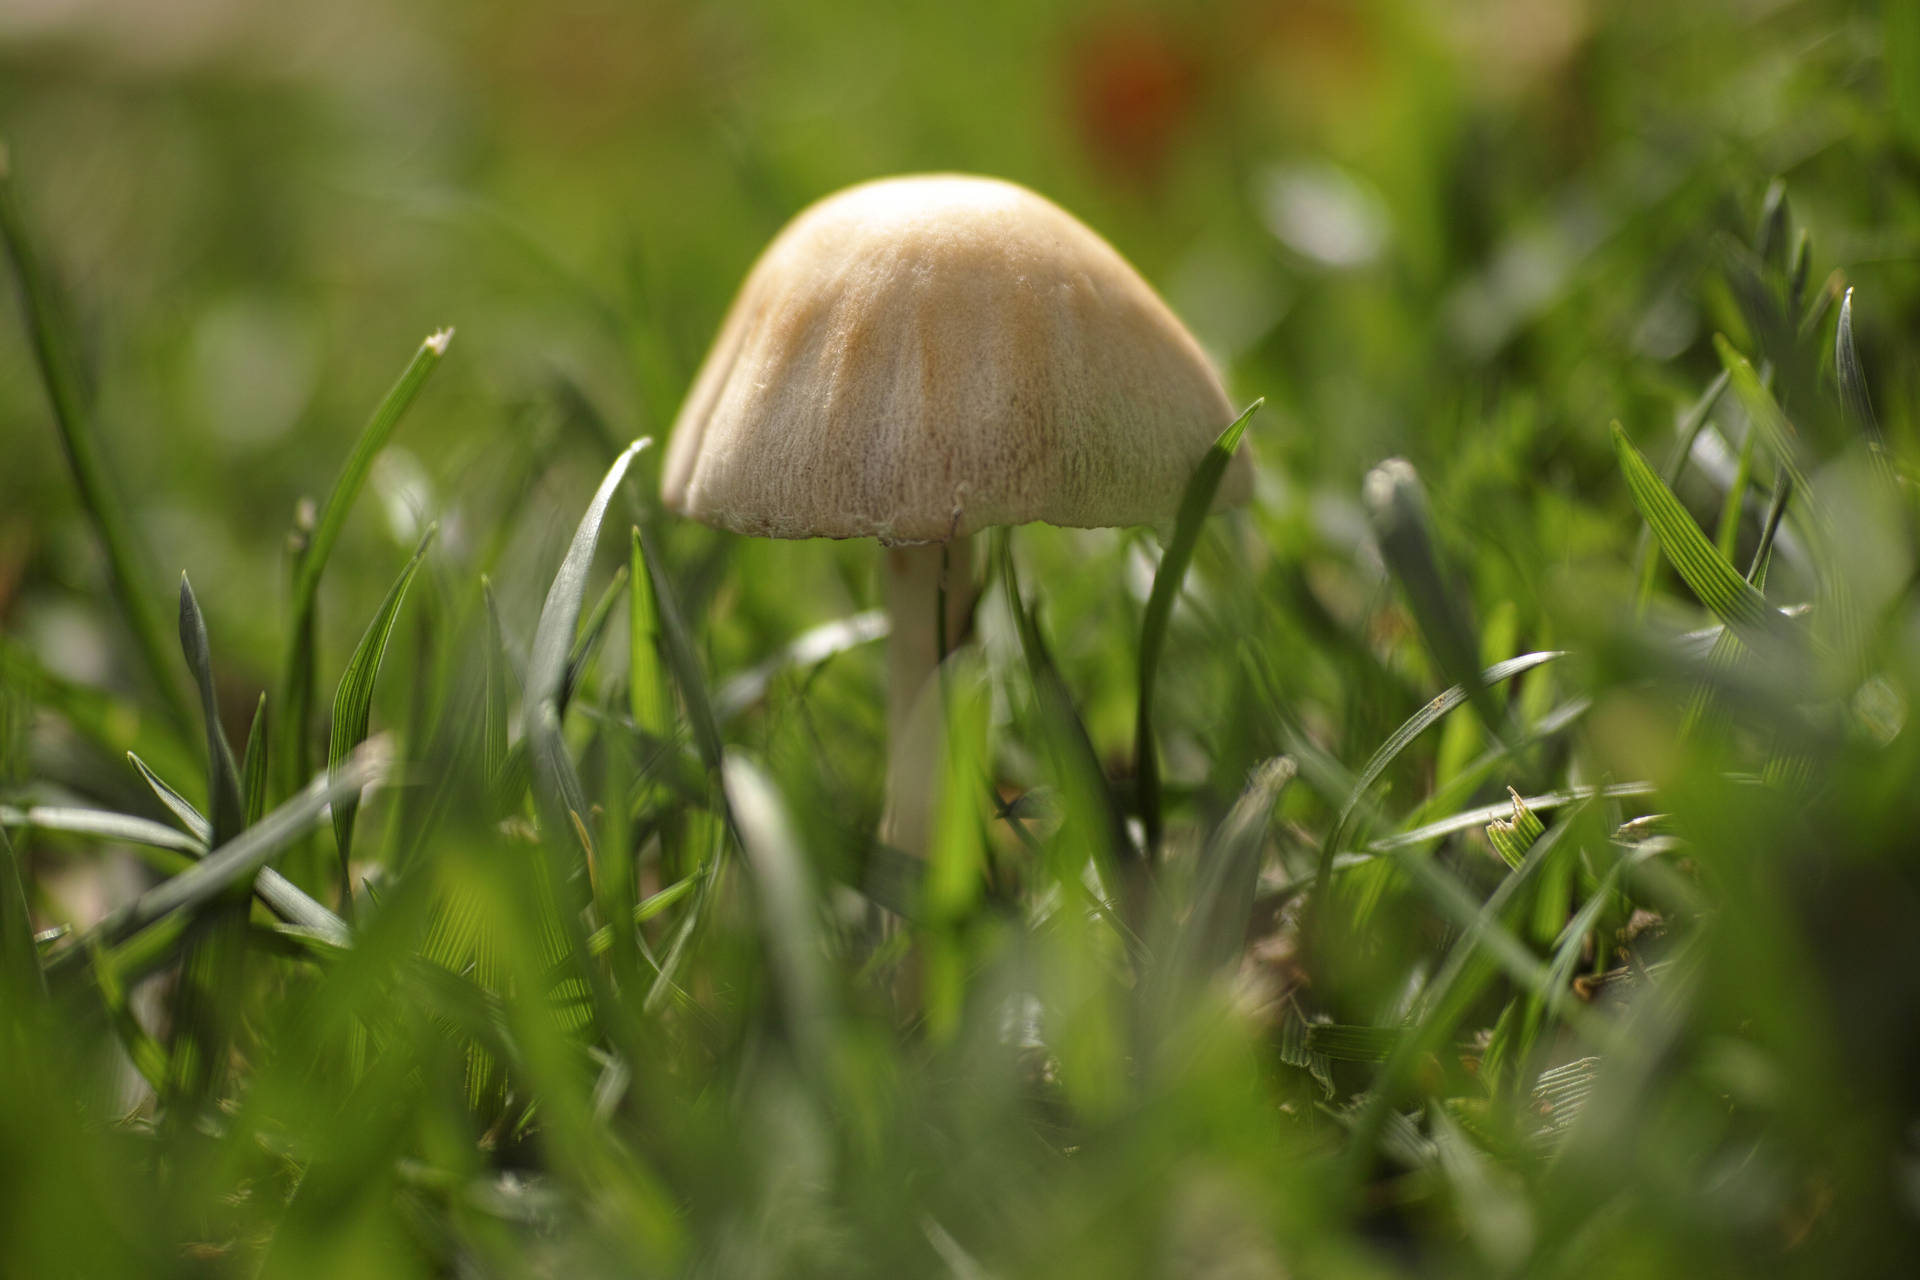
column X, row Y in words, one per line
column 918, row 358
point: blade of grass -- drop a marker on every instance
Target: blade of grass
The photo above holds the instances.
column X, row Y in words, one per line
column 785, row 901
column 296, row 672
column 1195, row 504
column 1397, row 509
column 1718, row 584
column 558, row 790
column 190, row 818
column 253, row 764
column 353, row 704
column 57, row 354
column 246, row 854
column 226, row 811
column 682, row 662
column 1422, row 720
column 1109, row 847
column 1691, row 424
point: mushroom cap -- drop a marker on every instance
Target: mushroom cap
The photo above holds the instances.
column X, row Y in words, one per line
column 918, row 358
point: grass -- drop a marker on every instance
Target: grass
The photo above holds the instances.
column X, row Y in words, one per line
column 1397, row 876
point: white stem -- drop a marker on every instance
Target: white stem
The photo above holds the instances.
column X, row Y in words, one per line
column 916, row 727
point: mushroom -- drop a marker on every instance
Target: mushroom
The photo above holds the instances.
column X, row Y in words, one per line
column 918, row 358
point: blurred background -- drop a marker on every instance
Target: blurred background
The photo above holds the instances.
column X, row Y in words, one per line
column 1467, row 232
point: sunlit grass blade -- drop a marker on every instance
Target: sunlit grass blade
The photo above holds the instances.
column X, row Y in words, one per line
column 296, row 674
column 1691, row 424
column 648, row 700
column 1397, row 509
column 1512, row 837
column 56, row 352
column 353, row 703
column 1195, row 504
column 1718, row 584
column 1763, row 411
column 226, row 811
column 784, row 900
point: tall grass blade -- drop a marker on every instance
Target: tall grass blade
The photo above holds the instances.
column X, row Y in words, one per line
column 648, row 700
column 296, row 690
column 56, row 352
column 1195, row 505
column 682, row 662
column 353, row 703
column 1090, row 800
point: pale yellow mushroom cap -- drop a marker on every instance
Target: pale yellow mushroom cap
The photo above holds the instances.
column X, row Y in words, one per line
column 918, row 358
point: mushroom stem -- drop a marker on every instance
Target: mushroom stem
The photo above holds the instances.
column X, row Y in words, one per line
column 917, row 578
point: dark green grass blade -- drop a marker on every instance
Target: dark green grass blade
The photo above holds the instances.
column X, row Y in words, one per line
column 1717, row 583
column 296, row 673
column 1195, row 504
column 20, row 971
column 1091, row 799
column 253, row 764
column 191, row 819
column 1397, row 509
column 682, row 661
column 225, row 810
column 57, row 353
column 353, row 700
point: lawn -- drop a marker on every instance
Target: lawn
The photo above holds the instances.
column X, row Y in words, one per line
column 1491, row 849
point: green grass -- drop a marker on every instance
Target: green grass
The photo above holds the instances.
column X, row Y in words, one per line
column 1489, row 853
